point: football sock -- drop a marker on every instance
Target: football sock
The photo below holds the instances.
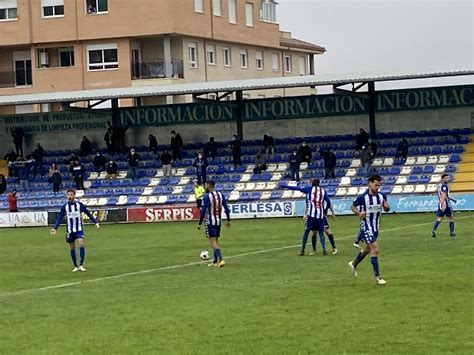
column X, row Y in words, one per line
column 305, row 240
column 451, row 227
column 375, row 265
column 313, row 242
column 219, row 255
column 322, row 239
column 435, row 225
column 73, row 257
column 359, row 258
column 331, row 240
column 215, row 256
column 82, row 254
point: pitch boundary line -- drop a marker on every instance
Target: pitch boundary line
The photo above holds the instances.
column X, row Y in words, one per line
column 179, row 266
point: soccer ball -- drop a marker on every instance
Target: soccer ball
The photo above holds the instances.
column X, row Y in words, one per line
column 204, row 255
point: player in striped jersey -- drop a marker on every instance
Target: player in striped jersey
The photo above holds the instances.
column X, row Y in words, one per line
column 211, row 210
column 316, row 196
column 72, row 210
column 444, row 206
column 368, row 206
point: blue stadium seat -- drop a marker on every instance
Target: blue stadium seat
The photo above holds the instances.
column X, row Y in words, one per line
column 417, row 170
column 386, row 189
column 255, row 195
column 428, row 169
column 172, row 199
column 276, row 195
column 182, row 199
column 164, row 181
column 395, row 170
column 412, row 179
column 158, row 190
column 187, row 189
column 424, row 179
column 128, row 191
column 450, row 169
column 132, row 200
column 455, row 158
column 390, row 180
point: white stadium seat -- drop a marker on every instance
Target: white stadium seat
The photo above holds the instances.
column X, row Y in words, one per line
column 352, row 191
column 444, row 159
column 79, row 193
column 420, row 188
column 377, row 162
column 142, row 200
column 93, row 176
column 191, row 199
column 102, row 175
column 397, row 189
column 439, row 169
column 362, row 189
column 91, row 202
column 298, row 194
column 341, row 191
column 180, row 172
column 388, row 162
column 408, row 189
column 287, row 194
column 304, row 166
column 154, row 182
column 239, row 187
column 250, row 186
column 159, row 173
column 401, row 180
column 122, row 174
column 234, row 196
column 355, row 163
column 432, row 159
column 162, row 199
column 249, row 169
column 421, row 160
column 152, row 200
column 345, row 181
column 435, row 179
column 102, row 201
column 351, row 172
column 271, row 168
column 245, row 177
column 282, row 167
column 271, row 185
column 185, row 180
column 276, row 177
column 265, row 195
column 410, row 161
column 178, row 190
column 122, row 200
column 147, row 191
column 406, row 170
column 261, row 186
column 431, row 188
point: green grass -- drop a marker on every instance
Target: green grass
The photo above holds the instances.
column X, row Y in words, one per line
column 271, row 302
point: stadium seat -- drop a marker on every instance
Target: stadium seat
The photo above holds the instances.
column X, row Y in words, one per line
column 352, row 191
column 178, row 190
column 386, row 189
column 439, row 169
column 397, row 189
column 345, row 181
column 412, row 179
column 234, row 196
column 420, row 188
column 298, row 194
column 408, row 189
column 287, row 194
column 406, row 170
column 443, row 159
column 377, row 162
column 162, row 199
column 455, row 158
column 355, row 163
column 250, row 186
column 410, row 161
column 435, row 179
column 341, row 191
column 351, row 172
column 421, row 160
column 401, row 180
column 428, row 169
column 388, row 162
column 432, row 188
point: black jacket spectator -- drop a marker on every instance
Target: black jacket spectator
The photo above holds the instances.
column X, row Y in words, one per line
column 236, row 147
column 329, row 163
column 152, row 143
column 260, row 164
column 295, row 162
column 3, row 184
column 78, row 174
column 373, row 147
column 133, row 158
column 166, row 158
column 268, row 144
column 18, row 136
column 201, row 164
column 402, row 149
column 56, row 179
column 118, row 137
column 108, row 142
column 176, row 145
column 112, row 168
column 38, row 153
column 210, row 150
column 305, row 153
column 99, row 162
column 361, row 139
column 86, row 147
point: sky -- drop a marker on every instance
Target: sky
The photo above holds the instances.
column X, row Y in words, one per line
column 386, row 36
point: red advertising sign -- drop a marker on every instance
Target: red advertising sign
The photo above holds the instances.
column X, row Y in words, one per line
column 163, row 214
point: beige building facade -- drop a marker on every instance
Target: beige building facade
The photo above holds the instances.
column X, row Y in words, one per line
column 68, row 45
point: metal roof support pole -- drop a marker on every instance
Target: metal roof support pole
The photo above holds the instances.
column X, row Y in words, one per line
column 372, row 102
column 115, row 113
column 239, row 114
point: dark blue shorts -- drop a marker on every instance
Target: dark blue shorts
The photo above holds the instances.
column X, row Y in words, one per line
column 213, row 231
column 71, row 237
column 368, row 236
column 448, row 212
column 314, row 224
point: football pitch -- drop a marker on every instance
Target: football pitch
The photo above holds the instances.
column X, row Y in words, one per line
column 146, row 291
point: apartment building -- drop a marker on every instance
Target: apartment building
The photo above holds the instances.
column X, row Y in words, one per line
column 67, row 45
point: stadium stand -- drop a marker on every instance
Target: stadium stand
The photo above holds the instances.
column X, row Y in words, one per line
column 431, row 154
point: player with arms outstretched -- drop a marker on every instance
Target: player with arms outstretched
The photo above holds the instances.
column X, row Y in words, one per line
column 316, row 196
column 444, row 207
column 211, row 210
column 74, row 227
column 368, row 206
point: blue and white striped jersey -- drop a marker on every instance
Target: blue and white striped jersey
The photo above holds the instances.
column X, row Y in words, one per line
column 372, row 205
column 72, row 211
column 212, row 205
column 316, row 197
column 443, row 189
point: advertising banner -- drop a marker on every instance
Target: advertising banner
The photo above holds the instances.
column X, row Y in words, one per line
column 262, row 209
column 163, row 214
column 24, row 219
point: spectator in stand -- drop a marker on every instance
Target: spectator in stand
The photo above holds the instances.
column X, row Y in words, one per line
column 72, row 159
column 23, row 168
column 366, row 159
column 199, row 192
column 78, row 174
column 295, row 161
column 201, row 164
column 210, row 150
column 402, row 149
column 268, row 144
column 118, row 137
column 153, row 143
column 18, row 136
column 329, row 162
column 11, row 157
column 86, row 147
column 51, row 170
column 260, row 164
column 56, row 179
column 38, row 155
column 3, row 184
column 373, row 147
column 361, row 139
column 236, row 147
column 108, row 142
column 112, row 170
column 166, row 159
column 99, row 162
column 133, row 159
column 13, row 201
column 305, row 153
column 176, row 145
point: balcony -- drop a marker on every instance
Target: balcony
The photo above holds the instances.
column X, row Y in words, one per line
column 156, row 69
column 15, row 78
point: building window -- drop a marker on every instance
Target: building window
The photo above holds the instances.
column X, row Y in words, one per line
column 244, row 59
column 45, row 107
column 227, row 56
column 55, row 57
column 249, row 14
column 192, row 55
column 96, row 6
column 245, row 96
column 102, row 57
column 302, row 66
column 288, row 63
column 212, row 96
column 216, row 7
column 199, row 6
column 211, row 54
column 52, row 8
column 275, row 62
column 8, row 10
column 232, row 11
column 259, row 60
column 66, row 57
column 268, row 10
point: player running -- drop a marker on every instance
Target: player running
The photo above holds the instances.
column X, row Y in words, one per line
column 316, row 196
column 444, row 207
column 211, row 209
column 368, row 206
column 74, row 227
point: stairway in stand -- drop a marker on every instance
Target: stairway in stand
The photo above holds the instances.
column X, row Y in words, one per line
column 464, row 177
